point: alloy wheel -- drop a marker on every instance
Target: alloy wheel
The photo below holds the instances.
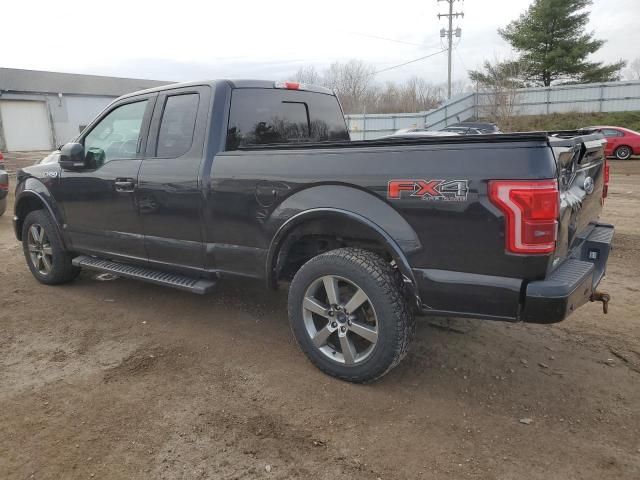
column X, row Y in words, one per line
column 40, row 251
column 340, row 320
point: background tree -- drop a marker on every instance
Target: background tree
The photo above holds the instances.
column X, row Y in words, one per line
column 356, row 87
column 308, row 74
column 351, row 82
column 633, row 72
column 554, row 45
column 499, row 82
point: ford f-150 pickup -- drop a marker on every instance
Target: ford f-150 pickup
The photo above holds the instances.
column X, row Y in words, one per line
column 187, row 184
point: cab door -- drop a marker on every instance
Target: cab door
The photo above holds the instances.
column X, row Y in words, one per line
column 170, row 193
column 99, row 204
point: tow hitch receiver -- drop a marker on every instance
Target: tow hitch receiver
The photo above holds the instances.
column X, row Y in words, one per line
column 601, row 297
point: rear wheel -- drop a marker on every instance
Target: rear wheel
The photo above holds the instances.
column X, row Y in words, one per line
column 348, row 314
column 623, row 153
column 46, row 257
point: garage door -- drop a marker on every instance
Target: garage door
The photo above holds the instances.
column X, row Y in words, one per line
column 25, row 125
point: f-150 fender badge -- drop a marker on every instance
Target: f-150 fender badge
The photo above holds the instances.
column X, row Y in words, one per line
column 52, row 174
column 441, row 190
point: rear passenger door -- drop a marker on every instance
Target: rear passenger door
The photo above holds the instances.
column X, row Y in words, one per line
column 169, row 194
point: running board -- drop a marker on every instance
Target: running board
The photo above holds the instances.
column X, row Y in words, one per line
column 181, row 282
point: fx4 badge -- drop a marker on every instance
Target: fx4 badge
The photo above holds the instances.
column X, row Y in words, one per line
column 443, row 190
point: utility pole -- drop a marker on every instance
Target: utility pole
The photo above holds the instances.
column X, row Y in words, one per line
column 449, row 33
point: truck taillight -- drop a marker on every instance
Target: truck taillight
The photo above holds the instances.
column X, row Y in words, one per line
column 531, row 210
column 607, row 173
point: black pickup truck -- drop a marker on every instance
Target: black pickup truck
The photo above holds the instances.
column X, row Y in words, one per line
column 186, row 184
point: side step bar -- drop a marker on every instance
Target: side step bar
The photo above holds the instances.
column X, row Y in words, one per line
column 181, row 282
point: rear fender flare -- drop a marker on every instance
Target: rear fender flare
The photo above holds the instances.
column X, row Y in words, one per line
column 387, row 225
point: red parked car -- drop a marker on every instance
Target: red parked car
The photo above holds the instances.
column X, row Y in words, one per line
column 622, row 143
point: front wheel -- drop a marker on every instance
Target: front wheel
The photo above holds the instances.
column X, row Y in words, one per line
column 349, row 315
column 46, row 257
column 623, row 153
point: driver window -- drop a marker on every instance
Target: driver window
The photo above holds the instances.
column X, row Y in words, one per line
column 116, row 135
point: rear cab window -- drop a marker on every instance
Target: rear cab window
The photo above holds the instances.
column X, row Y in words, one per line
column 262, row 116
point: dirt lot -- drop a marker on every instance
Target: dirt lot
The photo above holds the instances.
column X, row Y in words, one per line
column 117, row 379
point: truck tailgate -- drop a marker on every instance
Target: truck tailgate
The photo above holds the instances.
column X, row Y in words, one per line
column 581, row 181
column 583, row 243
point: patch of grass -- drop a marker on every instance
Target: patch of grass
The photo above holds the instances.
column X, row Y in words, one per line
column 571, row 121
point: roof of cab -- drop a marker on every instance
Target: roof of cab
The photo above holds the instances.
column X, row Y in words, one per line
column 242, row 83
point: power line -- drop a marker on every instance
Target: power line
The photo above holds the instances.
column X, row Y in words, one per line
column 410, row 61
column 455, row 49
column 388, row 39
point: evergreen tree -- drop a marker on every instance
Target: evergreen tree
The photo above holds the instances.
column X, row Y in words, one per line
column 554, row 45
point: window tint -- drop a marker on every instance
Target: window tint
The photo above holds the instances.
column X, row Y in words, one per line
column 116, row 135
column 177, row 125
column 266, row 116
column 609, row 132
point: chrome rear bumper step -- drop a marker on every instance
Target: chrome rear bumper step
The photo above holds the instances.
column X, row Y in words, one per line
column 181, row 282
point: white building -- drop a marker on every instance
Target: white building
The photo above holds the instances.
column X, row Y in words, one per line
column 42, row 110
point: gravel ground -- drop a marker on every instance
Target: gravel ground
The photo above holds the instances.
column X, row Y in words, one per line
column 117, row 379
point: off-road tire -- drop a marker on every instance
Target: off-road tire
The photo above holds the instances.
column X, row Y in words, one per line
column 383, row 286
column 62, row 271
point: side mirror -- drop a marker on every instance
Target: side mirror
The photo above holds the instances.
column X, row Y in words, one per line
column 72, row 156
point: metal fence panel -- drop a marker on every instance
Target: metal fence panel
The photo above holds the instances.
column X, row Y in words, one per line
column 597, row 97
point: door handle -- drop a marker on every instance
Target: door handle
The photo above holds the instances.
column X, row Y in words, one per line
column 125, row 185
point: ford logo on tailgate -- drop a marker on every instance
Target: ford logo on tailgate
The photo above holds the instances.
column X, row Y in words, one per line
column 588, row 185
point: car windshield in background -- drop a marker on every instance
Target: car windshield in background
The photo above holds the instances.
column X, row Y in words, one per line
column 283, row 117
column 463, row 130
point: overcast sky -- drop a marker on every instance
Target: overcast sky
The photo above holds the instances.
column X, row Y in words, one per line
column 191, row 40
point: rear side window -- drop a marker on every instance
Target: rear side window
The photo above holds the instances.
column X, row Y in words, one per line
column 610, row 132
column 178, row 123
column 270, row 116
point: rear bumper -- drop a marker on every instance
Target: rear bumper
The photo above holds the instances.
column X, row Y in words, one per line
column 573, row 282
column 570, row 285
